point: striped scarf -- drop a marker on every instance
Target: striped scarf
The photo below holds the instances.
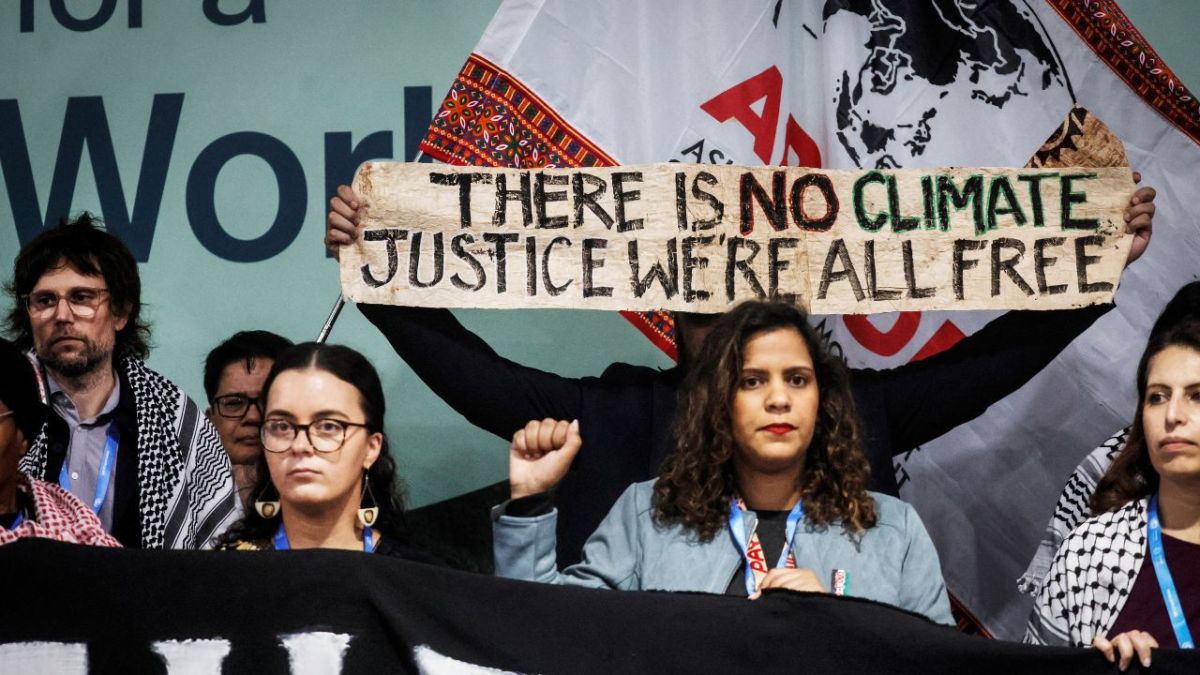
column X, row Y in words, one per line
column 186, row 494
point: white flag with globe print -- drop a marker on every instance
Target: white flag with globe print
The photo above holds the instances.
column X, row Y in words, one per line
column 870, row 84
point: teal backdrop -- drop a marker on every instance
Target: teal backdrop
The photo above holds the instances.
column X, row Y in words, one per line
column 228, row 122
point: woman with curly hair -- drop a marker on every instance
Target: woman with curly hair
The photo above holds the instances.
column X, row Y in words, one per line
column 326, row 479
column 766, row 486
column 1100, row 592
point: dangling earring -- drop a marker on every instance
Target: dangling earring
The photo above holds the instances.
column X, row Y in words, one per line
column 267, row 509
column 367, row 514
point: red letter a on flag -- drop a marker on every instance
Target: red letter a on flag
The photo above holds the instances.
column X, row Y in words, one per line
column 735, row 102
column 797, row 141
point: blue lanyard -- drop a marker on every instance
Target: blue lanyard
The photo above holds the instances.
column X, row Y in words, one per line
column 1165, row 583
column 737, row 528
column 107, row 461
column 281, row 540
column 17, row 521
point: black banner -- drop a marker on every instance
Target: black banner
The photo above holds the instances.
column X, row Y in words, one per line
column 328, row 611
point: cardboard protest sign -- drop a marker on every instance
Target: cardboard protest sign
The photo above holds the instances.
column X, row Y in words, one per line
column 702, row 238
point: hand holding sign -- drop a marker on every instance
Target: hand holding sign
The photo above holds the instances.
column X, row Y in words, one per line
column 342, row 220
column 1139, row 219
column 540, row 455
column 701, row 238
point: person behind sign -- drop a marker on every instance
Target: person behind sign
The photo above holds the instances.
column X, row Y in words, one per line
column 1099, row 590
column 30, row 507
column 766, row 449
column 628, row 409
column 326, row 479
column 234, row 373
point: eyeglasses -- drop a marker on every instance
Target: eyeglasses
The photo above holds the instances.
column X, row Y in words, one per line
column 235, row 406
column 6, row 413
column 83, row 302
column 324, row 435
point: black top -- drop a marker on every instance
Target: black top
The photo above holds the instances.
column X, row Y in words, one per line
column 387, row 546
column 772, row 534
column 625, row 414
column 7, row 519
column 1145, row 609
column 395, row 548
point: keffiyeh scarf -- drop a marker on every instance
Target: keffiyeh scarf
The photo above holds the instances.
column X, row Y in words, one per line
column 185, row 484
column 1091, row 578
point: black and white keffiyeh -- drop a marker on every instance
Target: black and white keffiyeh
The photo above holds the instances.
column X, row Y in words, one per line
column 1091, row 578
column 186, row 491
column 1073, row 507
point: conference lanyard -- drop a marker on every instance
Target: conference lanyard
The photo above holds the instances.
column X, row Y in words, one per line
column 1165, row 583
column 281, row 540
column 17, row 521
column 107, row 461
column 752, row 553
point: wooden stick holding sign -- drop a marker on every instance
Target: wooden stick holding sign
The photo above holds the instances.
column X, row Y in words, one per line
column 702, row 238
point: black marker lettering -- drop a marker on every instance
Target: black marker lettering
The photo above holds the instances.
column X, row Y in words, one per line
column 960, row 265
column 590, row 263
column 1008, row 265
column 414, row 261
column 390, row 236
column 1041, row 261
column 837, row 251
column 457, row 248
column 541, row 196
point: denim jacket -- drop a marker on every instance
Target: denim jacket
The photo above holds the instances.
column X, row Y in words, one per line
column 893, row 562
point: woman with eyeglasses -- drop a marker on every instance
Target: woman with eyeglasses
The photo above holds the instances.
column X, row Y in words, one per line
column 328, row 480
column 234, row 373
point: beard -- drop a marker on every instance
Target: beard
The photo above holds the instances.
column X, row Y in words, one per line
column 85, row 362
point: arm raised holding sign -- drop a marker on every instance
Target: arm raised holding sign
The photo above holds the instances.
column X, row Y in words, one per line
column 628, row 410
column 922, row 400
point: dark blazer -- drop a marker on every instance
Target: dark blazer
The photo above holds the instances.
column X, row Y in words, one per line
column 625, row 414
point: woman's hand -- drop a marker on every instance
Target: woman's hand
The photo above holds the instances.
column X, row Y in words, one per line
column 1126, row 644
column 1139, row 219
column 795, row 579
column 342, row 220
column 540, row 455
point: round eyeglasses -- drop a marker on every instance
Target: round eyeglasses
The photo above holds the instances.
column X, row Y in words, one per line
column 324, row 434
column 83, row 302
column 235, row 406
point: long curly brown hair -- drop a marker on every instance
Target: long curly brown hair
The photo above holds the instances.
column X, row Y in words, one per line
column 697, row 480
column 1131, row 475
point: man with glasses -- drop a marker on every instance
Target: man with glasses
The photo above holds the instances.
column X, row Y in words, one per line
column 233, row 377
column 122, row 438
